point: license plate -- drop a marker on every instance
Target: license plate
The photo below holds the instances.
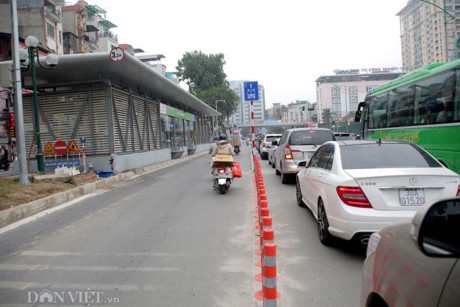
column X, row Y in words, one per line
column 411, row 197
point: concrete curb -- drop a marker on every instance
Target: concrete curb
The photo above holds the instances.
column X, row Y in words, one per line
column 18, row 213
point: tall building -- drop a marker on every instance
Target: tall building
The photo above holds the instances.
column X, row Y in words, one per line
column 86, row 29
column 242, row 114
column 428, row 33
column 341, row 93
column 40, row 18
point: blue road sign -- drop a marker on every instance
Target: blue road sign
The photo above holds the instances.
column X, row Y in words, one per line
column 251, row 90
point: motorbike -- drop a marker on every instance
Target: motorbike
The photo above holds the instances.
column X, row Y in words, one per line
column 236, row 149
column 222, row 179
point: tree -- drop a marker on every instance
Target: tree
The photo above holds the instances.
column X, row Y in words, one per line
column 205, row 76
column 327, row 116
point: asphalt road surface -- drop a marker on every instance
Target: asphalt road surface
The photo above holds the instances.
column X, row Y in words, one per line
column 167, row 239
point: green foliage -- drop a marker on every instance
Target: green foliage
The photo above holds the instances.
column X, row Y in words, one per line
column 201, row 71
column 218, row 94
column 327, row 116
column 205, row 76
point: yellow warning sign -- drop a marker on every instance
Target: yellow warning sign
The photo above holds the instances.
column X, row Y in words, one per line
column 49, row 150
column 72, row 147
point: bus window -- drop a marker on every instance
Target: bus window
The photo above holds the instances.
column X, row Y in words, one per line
column 378, row 112
column 436, row 95
column 401, row 107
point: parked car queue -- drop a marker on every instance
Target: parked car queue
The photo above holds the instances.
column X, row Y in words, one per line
column 391, row 195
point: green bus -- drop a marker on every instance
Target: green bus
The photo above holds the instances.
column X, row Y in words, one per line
column 422, row 107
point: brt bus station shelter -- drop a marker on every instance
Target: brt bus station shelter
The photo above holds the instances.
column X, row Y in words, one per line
column 123, row 109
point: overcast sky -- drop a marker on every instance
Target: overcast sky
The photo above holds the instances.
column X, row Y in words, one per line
column 284, row 45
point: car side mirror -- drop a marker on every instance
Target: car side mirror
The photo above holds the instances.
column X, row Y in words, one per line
column 436, row 229
column 302, row 164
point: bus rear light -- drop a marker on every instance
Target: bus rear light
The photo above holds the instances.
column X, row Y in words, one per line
column 353, row 196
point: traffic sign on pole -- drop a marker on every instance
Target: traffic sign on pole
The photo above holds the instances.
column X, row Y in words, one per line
column 72, row 148
column 251, row 91
column 60, row 147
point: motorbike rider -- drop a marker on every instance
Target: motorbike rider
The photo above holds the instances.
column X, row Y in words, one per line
column 223, row 147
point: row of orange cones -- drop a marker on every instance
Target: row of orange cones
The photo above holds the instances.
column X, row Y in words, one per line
column 267, row 248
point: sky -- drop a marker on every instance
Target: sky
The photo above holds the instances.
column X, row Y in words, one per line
column 284, row 45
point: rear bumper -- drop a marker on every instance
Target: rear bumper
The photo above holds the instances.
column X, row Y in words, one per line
column 289, row 167
column 353, row 222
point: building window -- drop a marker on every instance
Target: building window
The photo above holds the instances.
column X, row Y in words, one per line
column 336, row 104
column 353, row 97
column 50, row 30
column 60, row 37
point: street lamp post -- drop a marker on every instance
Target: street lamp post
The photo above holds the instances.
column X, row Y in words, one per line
column 217, row 118
column 51, row 61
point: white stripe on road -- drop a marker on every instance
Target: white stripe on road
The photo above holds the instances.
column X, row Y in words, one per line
column 44, row 267
column 43, row 213
column 39, row 253
column 18, row 285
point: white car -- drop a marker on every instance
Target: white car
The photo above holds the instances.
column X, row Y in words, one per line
column 415, row 263
column 355, row 188
column 266, row 144
column 272, row 153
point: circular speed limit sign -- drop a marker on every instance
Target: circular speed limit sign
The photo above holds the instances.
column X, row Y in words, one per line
column 117, row 54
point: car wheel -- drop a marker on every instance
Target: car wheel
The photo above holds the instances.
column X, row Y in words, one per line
column 276, row 170
column 284, row 177
column 324, row 236
column 298, row 193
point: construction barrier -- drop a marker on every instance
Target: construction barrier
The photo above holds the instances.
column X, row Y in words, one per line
column 266, row 243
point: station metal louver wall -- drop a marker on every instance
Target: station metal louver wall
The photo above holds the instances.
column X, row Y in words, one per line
column 70, row 115
column 135, row 122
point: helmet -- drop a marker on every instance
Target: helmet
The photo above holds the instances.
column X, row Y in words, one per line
column 222, row 137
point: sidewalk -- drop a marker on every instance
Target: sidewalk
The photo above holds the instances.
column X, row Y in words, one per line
column 15, row 214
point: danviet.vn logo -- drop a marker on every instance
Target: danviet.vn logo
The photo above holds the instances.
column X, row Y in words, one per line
column 70, row 297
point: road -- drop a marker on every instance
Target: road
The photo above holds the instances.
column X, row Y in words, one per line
column 167, row 239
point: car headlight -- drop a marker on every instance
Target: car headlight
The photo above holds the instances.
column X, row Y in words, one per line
column 374, row 241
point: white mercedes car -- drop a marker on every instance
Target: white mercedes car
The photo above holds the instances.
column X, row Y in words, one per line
column 355, row 188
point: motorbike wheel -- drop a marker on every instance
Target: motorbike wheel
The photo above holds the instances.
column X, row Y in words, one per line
column 222, row 189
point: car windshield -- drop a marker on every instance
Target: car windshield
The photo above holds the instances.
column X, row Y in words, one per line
column 310, row 137
column 385, row 155
column 271, row 138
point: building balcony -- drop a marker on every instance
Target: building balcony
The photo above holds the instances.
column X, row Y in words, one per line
column 109, row 35
column 53, row 14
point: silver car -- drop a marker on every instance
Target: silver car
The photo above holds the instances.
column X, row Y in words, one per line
column 415, row 263
column 298, row 145
column 272, row 152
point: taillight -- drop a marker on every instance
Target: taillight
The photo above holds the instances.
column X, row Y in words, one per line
column 353, row 196
column 221, row 170
column 263, row 144
column 288, row 152
column 458, row 191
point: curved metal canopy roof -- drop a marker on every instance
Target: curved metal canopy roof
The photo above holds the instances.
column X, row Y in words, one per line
column 130, row 72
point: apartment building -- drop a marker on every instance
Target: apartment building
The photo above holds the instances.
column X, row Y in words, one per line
column 341, row 93
column 40, row 18
column 86, row 29
column 428, row 32
column 242, row 114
